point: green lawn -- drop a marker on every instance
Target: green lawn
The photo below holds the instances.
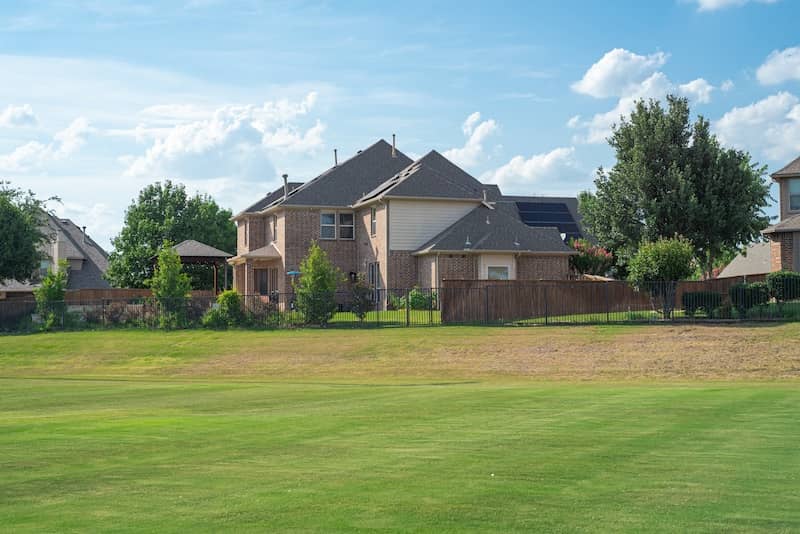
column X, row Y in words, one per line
column 377, row 429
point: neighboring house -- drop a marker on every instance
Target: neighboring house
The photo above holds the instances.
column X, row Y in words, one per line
column 753, row 262
column 66, row 241
column 785, row 235
column 402, row 223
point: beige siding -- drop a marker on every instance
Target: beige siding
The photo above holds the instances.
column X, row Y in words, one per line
column 413, row 222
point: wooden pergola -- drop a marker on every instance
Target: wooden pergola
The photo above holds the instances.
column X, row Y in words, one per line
column 194, row 252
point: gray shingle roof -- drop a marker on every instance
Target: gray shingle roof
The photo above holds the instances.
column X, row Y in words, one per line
column 95, row 259
column 345, row 183
column 792, row 169
column 498, row 229
column 431, row 176
column 756, row 261
column 195, row 249
column 270, row 198
column 790, row 224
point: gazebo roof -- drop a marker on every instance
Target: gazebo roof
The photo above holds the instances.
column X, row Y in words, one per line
column 192, row 251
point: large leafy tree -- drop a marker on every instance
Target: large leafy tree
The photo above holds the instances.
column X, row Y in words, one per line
column 164, row 212
column 672, row 177
column 21, row 235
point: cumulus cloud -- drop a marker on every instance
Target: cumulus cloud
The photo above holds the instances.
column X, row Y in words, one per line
column 629, row 77
column 780, row 66
column 14, row 116
column 477, row 132
column 714, row 5
column 229, row 141
column 35, row 154
column 726, row 86
column 698, row 90
column 547, row 171
column 770, row 126
column 617, row 72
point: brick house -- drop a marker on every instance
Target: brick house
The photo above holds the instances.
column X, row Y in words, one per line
column 402, row 223
column 784, row 236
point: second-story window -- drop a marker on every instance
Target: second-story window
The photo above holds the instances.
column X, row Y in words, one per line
column 327, row 225
column 346, row 226
column 794, row 194
column 274, row 228
column 373, row 221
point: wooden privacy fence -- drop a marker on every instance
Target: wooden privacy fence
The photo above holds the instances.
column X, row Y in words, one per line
column 497, row 301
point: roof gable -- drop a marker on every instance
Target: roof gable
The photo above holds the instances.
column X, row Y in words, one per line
column 790, row 170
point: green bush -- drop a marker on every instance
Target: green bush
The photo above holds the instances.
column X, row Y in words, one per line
column 50, row 297
column 315, row 291
column 657, row 267
column 227, row 313
column 745, row 296
column 418, row 299
column 784, row 285
column 362, row 295
column 706, row 301
column 170, row 286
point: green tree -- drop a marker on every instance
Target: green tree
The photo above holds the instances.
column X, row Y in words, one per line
column 50, row 296
column 590, row 259
column 315, row 291
column 658, row 266
column 21, row 218
column 671, row 178
column 164, row 212
column 362, row 295
column 170, row 286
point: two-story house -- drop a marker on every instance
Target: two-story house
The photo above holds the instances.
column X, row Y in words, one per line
column 402, row 223
column 785, row 235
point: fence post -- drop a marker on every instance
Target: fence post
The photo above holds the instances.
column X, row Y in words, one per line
column 608, row 304
column 377, row 307
column 430, row 306
column 408, row 310
column 486, row 305
column 546, row 311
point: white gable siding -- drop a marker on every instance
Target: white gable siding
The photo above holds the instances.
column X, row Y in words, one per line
column 413, row 222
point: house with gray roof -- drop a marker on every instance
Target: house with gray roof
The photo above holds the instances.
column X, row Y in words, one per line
column 784, row 236
column 66, row 241
column 402, row 223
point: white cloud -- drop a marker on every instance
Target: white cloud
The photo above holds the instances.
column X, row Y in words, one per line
column 230, row 141
column 726, row 86
column 770, row 126
column 546, row 170
column 780, row 66
column 698, row 90
column 35, row 154
column 477, row 132
column 18, row 116
column 713, row 5
column 617, row 72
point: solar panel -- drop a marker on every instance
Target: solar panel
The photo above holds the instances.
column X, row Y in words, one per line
column 544, row 214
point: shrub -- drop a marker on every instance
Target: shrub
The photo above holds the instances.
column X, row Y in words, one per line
column 315, row 291
column 745, row 296
column 591, row 259
column 706, row 301
column 227, row 313
column 170, row 287
column 784, row 285
column 362, row 295
column 50, row 297
column 657, row 267
column 419, row 299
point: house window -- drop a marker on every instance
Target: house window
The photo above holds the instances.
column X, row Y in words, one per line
column 497, row 273
column 373, row 222
column 374, row 274
column 274, row 228
column 44, row 268
column 346, row 226
column 327, row 226
column 266, row 281
column 246, row 232
column 794, row 194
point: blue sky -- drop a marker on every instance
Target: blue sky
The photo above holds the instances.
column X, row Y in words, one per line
column 99, row 99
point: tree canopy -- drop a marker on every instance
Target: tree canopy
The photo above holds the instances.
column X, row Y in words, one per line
column 672, row 177
column 164, row 212
column 21, row 219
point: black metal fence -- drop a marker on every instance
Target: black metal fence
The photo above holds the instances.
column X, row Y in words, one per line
column 458, row 302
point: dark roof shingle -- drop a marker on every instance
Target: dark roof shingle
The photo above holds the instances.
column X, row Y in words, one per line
column 792, row 169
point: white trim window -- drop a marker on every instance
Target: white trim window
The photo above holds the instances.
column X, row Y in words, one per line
column 497, row 272
column 794, row 194
column 347, row 227
column 327, row 225
column 373, row 222
column 274, row 228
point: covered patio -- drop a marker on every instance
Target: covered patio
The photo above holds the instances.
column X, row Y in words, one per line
column 194, row 252
column 259, row 271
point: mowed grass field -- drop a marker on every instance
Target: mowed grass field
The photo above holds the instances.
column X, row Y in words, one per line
column 649, row 428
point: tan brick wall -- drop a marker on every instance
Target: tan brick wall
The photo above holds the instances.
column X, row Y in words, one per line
column 241, row 246
column 781, row 251
column 458, row 267
column 542, row 267
column 301, row 228
column 402, row 269
column 371, row 248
